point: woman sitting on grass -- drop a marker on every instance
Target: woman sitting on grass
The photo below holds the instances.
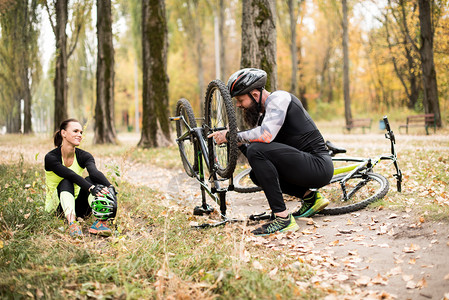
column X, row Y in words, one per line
column 67, row 191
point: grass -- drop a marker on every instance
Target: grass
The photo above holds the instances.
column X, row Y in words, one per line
column 153, row 252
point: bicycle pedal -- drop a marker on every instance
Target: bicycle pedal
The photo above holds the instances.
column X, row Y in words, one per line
column 200, row 210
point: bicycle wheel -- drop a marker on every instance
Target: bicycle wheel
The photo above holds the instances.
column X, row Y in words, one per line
column 186, row 144
column 362, row 189
column 244, row 184
column 219, row 115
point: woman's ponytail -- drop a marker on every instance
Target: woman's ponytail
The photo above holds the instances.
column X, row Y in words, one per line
column 57, row 139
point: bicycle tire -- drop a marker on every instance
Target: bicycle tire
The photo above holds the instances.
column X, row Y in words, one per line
column 187, row 146
column 220, row 114
column 243, row 183
column 373, row 187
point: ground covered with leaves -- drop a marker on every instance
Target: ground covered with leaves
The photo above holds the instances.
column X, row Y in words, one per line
column 394, row 249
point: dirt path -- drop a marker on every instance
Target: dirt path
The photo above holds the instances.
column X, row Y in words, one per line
column 394, row 254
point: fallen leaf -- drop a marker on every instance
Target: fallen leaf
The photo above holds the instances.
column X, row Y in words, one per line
column 422, row 283
column 257, row 265
column 379, row 280
column 421, row 219
column 407, row 277
column 395, row 271
column 334, row 243
column 382, row 230
column 273, row 272
column 341, row 277
column 411, row 249
column 410, row 285
column 349, row 222
column 392, row 216
column 412, row 261
column 363, row 281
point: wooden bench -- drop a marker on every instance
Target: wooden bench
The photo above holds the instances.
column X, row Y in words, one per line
column 359, row 123
column 425, row 120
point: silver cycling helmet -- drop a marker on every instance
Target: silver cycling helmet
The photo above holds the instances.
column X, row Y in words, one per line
column 245, row 80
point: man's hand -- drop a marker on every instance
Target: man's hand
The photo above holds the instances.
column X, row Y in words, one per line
column 219, row 136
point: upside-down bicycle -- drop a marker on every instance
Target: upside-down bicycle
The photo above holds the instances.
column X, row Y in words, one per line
column 353, row 186
column 203, row 159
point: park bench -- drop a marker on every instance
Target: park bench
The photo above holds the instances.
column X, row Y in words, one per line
column 425, row 120
column 359, row 123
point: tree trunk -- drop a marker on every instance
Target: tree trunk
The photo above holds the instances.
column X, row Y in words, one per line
column 13, row 119
column 27, row 128
column 431, row 102
column 222, row 48
column 293, row 47
column 19, row 63
column 155, row 78
column 60, row 81
column 104, row 110
column 259, row 41
column 348, row 114
column 259, row 38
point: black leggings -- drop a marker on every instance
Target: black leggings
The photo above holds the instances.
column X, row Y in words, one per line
column 279, row 168
column 82, row 207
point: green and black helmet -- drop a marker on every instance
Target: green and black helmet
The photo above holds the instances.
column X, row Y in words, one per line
column 105, row 207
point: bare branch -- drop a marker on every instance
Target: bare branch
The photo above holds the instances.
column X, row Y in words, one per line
column 50, row 16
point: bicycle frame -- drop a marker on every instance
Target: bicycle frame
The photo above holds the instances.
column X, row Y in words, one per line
column 202, row 152
column 367, row 164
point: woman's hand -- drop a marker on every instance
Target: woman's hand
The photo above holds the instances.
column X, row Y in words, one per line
column 219, row 136
column 98, row 190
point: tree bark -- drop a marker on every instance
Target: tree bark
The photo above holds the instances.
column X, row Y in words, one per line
column 431, row 102
column 293, row 47
column 345, row 42
column 105, row 132
column 222, row 48
column 259, row 41
column 60, row 81
column 155, row 78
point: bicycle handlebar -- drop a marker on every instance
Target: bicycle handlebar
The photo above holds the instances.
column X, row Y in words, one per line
column 390, row 135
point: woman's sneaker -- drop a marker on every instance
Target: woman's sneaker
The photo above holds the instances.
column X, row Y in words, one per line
column 277, row 225
column 75, row 230
column 100, row 227
column 311, row 205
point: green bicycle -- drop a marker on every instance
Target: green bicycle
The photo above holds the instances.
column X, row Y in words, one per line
column 353, row 186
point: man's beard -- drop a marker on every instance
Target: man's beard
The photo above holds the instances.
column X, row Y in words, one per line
column 251, row 115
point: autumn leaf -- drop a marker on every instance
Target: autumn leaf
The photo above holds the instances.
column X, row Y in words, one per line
column 380, row 280
column 411, row 249
column 273, row 273
column 407, row 278
column 410, row 285
column 422, row 283
column 257, row 265
column 363, row 281
column 334, row 243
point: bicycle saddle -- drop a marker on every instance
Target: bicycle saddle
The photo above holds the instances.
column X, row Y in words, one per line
column 334, row 149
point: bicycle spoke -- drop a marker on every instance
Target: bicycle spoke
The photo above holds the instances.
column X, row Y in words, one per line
column 220, row 115
column 361, row 190
column 185, row 140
